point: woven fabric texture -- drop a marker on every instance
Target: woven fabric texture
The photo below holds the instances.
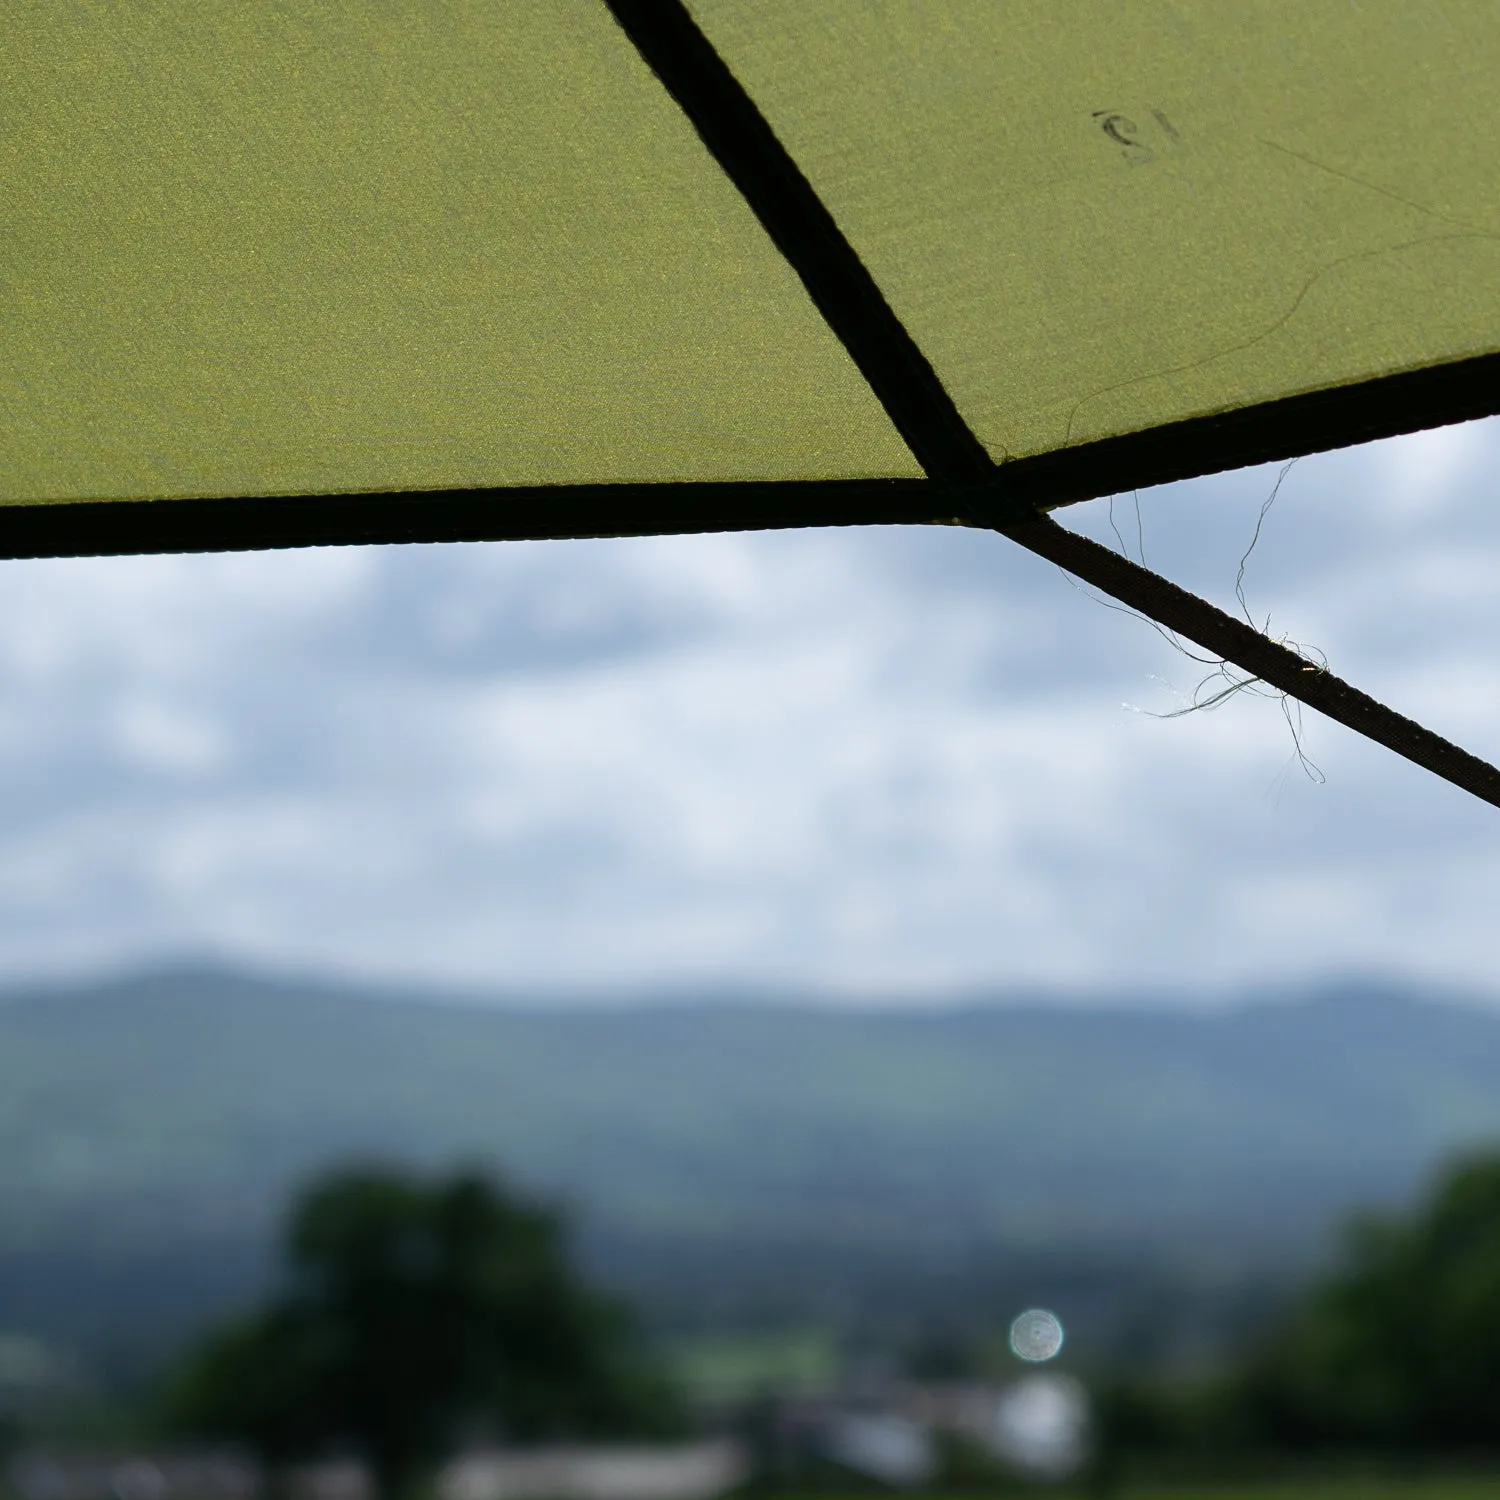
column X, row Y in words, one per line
column 385, row 244
column 1098, row 218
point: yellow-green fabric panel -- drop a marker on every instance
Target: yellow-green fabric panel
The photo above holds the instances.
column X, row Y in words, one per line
column 1097, row 217
column 273, row 248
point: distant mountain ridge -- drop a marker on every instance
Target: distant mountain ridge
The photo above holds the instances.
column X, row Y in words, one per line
column 162, row 1120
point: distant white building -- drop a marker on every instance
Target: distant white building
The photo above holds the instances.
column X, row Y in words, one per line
column 693, row 1471
column 180, row 1476
column 690, row 1471
column 883, row 1446
column 1038, row 1423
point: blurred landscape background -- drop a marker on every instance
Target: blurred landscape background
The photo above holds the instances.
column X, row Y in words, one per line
column 837, row 931
column 1157, row 1174
column 794, row 1200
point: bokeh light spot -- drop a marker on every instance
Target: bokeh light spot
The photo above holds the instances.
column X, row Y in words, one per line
column 1036, row 1335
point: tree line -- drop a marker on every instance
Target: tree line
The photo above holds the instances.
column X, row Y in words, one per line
column 1395, row 1352
column 419, row 1316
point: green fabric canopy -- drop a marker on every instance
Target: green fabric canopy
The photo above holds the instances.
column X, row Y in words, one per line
column 1097, row 219
column 377, row 270
column 396, row 246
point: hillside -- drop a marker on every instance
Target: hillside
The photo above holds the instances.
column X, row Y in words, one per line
column 150, row 1129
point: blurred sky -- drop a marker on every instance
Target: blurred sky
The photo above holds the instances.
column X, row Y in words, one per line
column 877, row 763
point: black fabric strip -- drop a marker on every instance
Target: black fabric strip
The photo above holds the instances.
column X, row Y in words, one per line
column 1282, row 429
column 964, row 480
column 118, row 527
column 742, row 141
column 1263, row 658
column 1001, row 496
column 744, row 144
column 1310, row 423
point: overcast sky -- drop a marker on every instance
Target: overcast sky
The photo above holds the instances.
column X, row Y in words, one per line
column 884, row 763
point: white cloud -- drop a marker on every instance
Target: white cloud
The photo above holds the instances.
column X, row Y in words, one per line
column 890, row 762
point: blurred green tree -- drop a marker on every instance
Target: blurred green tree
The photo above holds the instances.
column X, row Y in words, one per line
column 419, row 1314
column 1401, row 1347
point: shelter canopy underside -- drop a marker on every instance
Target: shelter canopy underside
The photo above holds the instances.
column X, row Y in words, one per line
column 380, row 245
column 1097, row 219
column 402, row 270
column 452, row 268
